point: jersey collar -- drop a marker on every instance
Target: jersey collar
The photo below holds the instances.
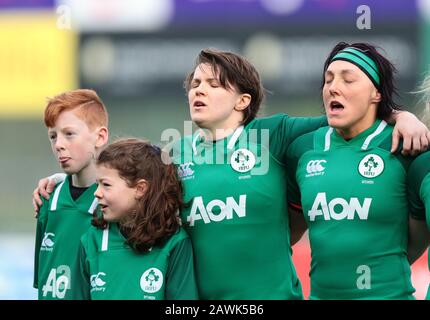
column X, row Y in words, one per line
column 82, row 202
column 376, row 129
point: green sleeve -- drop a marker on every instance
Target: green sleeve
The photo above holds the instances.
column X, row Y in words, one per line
column 417, row 173
column 300, row 146
column 40, row 231
column 181, row 283
column 84, row 276
column 283, row 130
column 425, row 196
column 300, row 126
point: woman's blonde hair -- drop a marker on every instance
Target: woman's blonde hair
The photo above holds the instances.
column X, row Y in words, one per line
column 424, row 92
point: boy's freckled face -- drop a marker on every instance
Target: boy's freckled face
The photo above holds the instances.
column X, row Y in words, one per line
column 72, row 142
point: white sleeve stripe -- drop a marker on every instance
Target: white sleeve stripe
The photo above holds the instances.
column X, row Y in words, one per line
column 197, row 136
column 105, row 239
column 327, row 139
column 93, row 206
column 370, row 137
column 55, row 199
column 234, row 138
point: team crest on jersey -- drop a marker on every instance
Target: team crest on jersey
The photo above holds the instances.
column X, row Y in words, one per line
column 242, row 160
column 371, row 166
column 315, row 168
column 185, row 171
column 47, row 242
column 151, row 280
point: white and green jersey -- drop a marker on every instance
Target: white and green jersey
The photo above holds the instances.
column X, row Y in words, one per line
column 237, row 209
column 419, row 191
column 354, row 199
column 111, row 270
column 60, row 225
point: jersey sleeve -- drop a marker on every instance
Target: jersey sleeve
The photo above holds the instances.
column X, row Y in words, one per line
column 300, row 126
column 84, row 276
column 283, row 130
column 294, row 153
column 40, row 231
column 417, row 173
column 181, row 283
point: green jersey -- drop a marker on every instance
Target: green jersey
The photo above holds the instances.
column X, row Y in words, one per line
column 354, row 199
column 111, row 270
column 237, row 214
column 61, row 223
column 419, row 191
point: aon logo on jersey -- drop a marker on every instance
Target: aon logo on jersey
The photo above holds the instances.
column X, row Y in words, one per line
column 338, row 208
column 217, row 210
column 58, row 282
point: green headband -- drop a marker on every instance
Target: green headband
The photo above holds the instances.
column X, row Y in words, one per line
column 364, row 62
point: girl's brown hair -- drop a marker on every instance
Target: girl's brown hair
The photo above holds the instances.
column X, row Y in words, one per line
column 156, row 216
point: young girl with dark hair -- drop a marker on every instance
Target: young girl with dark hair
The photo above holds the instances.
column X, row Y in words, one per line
column 137, row 249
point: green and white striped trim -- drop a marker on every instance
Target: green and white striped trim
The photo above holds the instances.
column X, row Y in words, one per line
column 364, row 62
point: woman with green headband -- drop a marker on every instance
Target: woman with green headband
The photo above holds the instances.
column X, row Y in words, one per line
column 350, row 188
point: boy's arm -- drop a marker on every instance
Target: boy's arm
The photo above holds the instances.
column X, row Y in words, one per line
column 180, row 278
column 44, row 189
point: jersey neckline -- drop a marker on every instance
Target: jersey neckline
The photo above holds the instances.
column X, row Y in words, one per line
column 364, row 138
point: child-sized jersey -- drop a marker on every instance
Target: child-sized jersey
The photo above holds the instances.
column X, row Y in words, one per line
column 111, row 270
column 61, row 223
column 419, row 192
column 237, row 214
column 354, row 199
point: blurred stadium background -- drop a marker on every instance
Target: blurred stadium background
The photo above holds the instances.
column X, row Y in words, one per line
column 136, row 53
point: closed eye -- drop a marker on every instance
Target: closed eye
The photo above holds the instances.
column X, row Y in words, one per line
column 195, row 84
column 214, row 84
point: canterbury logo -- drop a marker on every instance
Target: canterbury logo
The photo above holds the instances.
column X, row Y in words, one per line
column 46, row 241
column 96, row 280
column 184, row 170
column 315, row 166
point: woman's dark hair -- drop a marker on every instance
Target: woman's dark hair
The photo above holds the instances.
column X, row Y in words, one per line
column 156, row 216
column 234, row 70
column 386, row 70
